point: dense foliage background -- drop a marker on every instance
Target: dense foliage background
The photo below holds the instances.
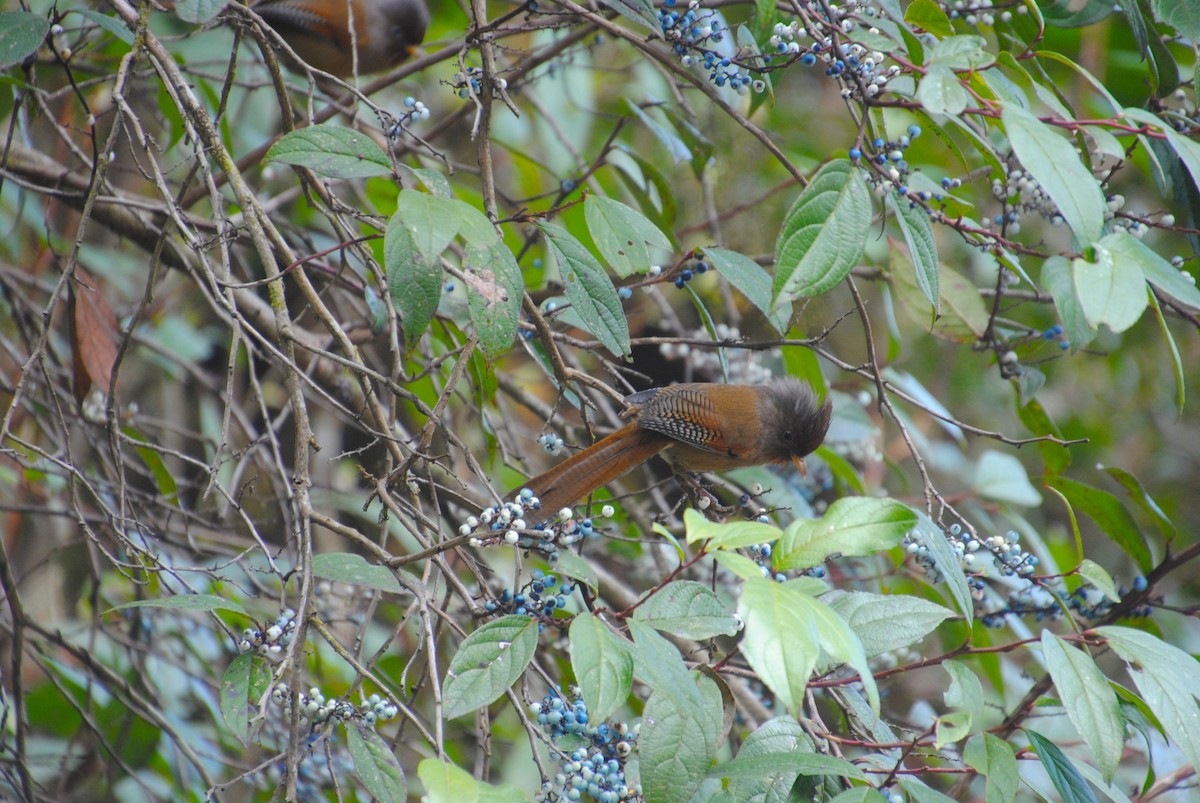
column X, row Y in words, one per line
column 274, row 349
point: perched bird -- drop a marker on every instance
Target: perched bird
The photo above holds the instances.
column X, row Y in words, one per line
column 385, row 31
column 700, row 427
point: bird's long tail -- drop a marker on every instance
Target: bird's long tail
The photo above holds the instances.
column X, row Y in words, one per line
column 598, row 465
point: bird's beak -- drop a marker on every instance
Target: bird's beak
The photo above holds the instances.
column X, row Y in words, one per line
column 800, row 466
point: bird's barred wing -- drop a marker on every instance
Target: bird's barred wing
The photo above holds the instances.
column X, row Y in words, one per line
column 684, row 413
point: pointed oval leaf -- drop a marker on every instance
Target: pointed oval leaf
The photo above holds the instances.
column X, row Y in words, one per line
column 21, row 34
column 375, row 764
column 1111, row 291
column 852, row 527
column 918, row 234
column 603, row 666
column 589, row 288
column 687, row 609
column 414, row 282
column 488, row 663
column 1090, row 702
column 622, row 234
column 333, row 151
column 824, row 233
column 494, row 291
column 1052, row 160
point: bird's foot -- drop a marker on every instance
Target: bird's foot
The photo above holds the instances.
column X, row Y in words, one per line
column 702, row 497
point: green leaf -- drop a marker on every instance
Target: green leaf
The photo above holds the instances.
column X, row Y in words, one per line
column 622, row 234
column 414, row 281
column 591, row 291
column 994, row 758
column 1070, row 785
column 108, row 23
column 1183, row 17
column 739, row 565
column 852, row 527
column 432, row 180
column 888, row 622
column 665, row 134
column 918, row 234
column 779, row 737
column 659, row 664
column 494, row 291
column 603, row 666
column 163, row 478
column 1111, row 291
column 965, row 692
column 941, row 93
column 678, row 741
column 199, row 11
column 918, row 792
column 1096, row 575
column 185, row 602
column 1172, row 282
column 951, row 728
column 700, row 146
column 1168, row 680
column 576, row 567
column 375, row 764
column 928, row 16
column 1051, row 159
column 752, row 281
column 639, row 11
column 1001, row 477
column 963, row 315
column 21, row 34
column 1090, row 702
column 727, row 535
column 1034, row 416
column 332, row 151
column 824, row 234
column 352, row 569
column 1172, row 351
column 446, row 783
column 963, row 52
column 687, row 609
column 801, row 763
column 488, row 663
column 244, row 682
column 1109, row 515
column 1058, row 278
column 780, row 640
column 432, row 221
column 1133, row 486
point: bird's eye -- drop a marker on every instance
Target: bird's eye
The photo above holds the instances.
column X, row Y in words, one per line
column 787, row 435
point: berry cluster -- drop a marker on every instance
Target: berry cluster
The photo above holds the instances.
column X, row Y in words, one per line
column 315, row 708
column 686, row 274
column 551, row 443
column 518, row 523
column 1055, row 332
column 860, row 68
column 979, row 12
column 470, row 82
column 1013, row 568
column 693, row 35
column 892, row 170
column 272, row 639
column 414, row 111
column 540, row 597
column 596, row 769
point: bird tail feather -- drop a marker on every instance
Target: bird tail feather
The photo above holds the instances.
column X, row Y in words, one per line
column 594, row 467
